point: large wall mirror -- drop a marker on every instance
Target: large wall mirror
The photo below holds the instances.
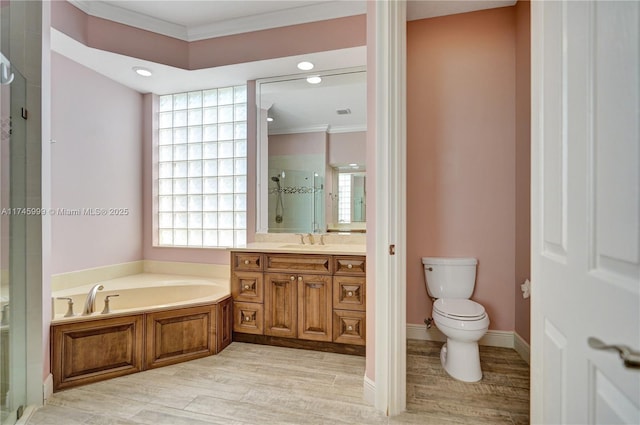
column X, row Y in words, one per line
column 311, row 152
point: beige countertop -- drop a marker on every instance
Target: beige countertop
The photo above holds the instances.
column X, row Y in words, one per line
column 297, row 248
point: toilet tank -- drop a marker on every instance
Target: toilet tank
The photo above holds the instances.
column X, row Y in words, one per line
column 450, row 277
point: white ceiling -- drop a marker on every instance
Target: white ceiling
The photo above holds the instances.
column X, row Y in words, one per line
column 193, row 20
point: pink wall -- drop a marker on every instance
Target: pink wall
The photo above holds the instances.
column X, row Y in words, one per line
column 347, row 148
column 298, row 144
column 523, row 165
column 291, row 40
column 96, row 163
column 461, row 154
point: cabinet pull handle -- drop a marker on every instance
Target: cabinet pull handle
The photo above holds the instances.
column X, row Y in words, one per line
column 246, row 261
column 349, row 266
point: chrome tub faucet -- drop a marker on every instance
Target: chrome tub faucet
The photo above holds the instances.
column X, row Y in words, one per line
column 90, row 303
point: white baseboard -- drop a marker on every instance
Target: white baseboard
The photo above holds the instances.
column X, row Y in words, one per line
column 47, row 388
column 503, row 339
column 522, row 347
column 26, row 415
column 369, row 391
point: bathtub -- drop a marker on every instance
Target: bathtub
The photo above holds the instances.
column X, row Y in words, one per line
column 156, row 320
column 141, row 292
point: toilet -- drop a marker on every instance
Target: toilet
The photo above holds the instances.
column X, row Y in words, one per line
column 450, row 281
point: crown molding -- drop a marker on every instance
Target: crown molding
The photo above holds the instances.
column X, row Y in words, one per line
column 282, row 18
column 347, row 128
column 295, row 130
column 123, row 16
column 291, row 16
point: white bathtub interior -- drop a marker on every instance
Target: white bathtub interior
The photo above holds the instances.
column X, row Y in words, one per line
column 142, row 291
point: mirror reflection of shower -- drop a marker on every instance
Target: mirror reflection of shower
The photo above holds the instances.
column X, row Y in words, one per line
column 296, row 200
column 279, row 203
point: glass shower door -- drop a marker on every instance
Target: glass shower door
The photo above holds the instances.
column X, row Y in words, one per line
column 13, row 215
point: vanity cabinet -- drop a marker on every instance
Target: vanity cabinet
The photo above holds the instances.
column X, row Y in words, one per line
column 299, row 297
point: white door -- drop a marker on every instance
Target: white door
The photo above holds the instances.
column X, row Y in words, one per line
column 585, row 210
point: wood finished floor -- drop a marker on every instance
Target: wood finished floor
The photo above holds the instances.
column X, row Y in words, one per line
column 255, row 384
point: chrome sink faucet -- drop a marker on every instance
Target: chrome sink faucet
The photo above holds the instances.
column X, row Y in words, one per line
column 90, row 303
column 311, row 240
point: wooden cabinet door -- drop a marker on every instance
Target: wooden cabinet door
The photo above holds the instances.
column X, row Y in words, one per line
column 280, row 305
column 247, row 287
column 349, row 327
column 349, row 293
column 314, row 307
column 248, row 318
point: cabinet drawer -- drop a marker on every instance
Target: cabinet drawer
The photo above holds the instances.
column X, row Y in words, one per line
column 349, row 327
column 248, row 318
column 298, row 263
column 349, row 293
column 247, row 287
column 249, row 261
column 350, row 265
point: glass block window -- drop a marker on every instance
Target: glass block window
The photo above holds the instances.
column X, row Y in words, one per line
column 202, row 168
column 344, row 198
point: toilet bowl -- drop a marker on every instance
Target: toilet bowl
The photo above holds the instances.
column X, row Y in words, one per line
column 450, row 281
column 460, row 355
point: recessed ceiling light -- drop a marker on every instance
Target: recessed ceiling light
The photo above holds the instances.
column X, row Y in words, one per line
column 305, row 66
column 142, row 71
column 269, row 119
column 314, row 80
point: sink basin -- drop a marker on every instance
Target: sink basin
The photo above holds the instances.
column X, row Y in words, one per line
column 298, row 246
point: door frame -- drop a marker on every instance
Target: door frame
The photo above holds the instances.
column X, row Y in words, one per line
column 390, row 207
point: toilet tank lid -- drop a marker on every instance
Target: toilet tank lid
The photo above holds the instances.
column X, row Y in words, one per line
column 466, row 261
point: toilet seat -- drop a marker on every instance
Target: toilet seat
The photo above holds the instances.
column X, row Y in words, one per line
column 459, row 309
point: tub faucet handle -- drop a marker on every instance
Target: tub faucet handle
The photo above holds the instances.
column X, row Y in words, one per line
column 106, row 309
column 69, row 312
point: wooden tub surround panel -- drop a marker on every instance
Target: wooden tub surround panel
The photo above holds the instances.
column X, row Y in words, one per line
column 316, row 300
column 91, row 351
column 95, row 349
column 179, row 335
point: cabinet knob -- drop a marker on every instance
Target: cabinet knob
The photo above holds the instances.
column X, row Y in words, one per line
column 292, row 278
column 350, row 294
column 246, row 261
column 350, row 328
column 300, row 278
column 247, row 318
column 247, row 286
column 349, row 266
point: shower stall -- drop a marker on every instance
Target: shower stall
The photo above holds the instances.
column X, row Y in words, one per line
column 296, row 201
column 13, row 257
